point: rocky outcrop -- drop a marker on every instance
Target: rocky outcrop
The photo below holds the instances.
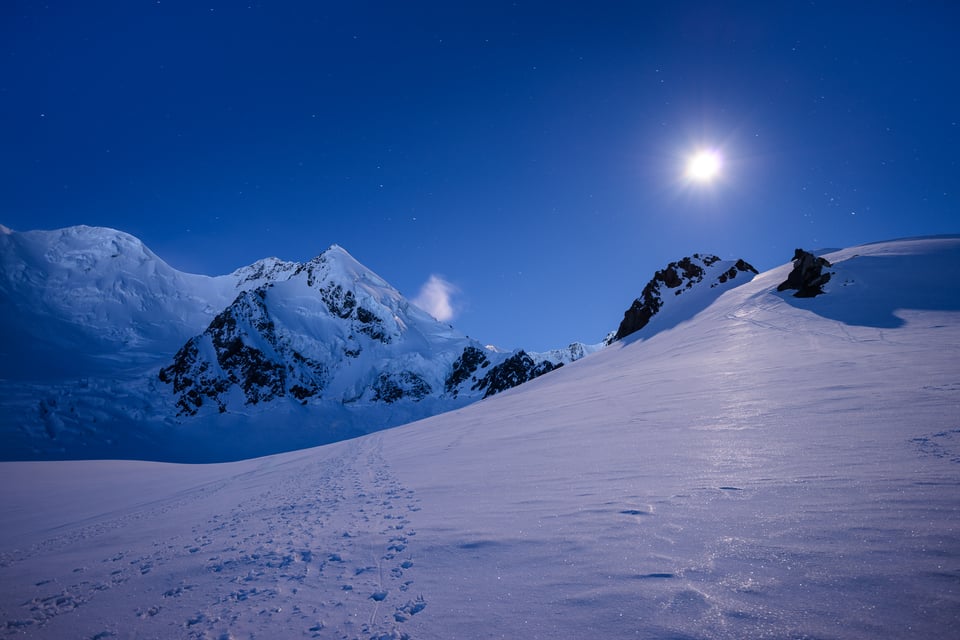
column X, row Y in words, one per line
column 247, row 354
column 464, row 368
column 513, row 371
column 740, row 266
column 390, row 387
column 679, row 276
column 808, row 275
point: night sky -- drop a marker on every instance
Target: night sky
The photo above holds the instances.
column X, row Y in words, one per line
column 531, row 154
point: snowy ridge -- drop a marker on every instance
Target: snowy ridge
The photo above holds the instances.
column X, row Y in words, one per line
column 94, row 292
column 771, row 467
column 571, row 353
column 679, row 291
column 263, row 272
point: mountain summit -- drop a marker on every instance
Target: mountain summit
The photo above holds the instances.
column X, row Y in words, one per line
column 329, row 328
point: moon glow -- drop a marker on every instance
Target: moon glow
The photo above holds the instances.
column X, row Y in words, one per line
column 704, row 166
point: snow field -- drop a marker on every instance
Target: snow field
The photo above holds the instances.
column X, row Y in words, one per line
column 770, row 468
column 244, row 549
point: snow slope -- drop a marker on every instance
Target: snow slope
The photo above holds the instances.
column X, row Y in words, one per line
column 93, row 292
column 773, row 467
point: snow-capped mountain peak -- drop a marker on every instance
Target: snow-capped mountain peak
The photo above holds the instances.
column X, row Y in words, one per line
column 337, row 265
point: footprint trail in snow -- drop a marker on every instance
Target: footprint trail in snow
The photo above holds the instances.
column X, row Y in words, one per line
column 328, row 551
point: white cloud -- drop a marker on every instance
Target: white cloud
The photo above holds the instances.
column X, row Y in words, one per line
column 435, row 298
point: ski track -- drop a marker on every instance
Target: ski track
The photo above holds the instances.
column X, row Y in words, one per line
column 341, row 525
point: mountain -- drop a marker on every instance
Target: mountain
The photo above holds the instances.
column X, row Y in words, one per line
column 98, row 295
column 107, row 351
column 772, row 466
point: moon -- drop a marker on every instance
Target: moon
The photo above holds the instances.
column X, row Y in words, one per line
column 704, row 166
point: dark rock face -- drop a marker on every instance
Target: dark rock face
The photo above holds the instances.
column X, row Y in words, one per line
column 464, row 367
column 679, row 276
column 808, row 276
column 741, row 266
column 343, row 304
column 650, row 300
column 340, row 303
column 263, row 374
column 513, row 371
column 192, row 380
column 372, row 326
column 391, row 387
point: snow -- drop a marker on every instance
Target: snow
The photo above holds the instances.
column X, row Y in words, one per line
column 95, row 292
column 770, row 467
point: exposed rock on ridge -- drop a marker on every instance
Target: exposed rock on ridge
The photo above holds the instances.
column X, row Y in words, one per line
column 513, row 371
column 463, row 369
column 262, row 373
column 807, row 276
column 679, row 276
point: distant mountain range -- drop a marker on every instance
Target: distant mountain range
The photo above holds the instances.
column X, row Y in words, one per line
column 107, row 351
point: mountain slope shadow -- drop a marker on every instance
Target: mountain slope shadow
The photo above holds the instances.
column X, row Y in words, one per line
column 869, row 290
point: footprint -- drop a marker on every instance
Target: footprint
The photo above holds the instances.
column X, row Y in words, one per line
column 411, row 608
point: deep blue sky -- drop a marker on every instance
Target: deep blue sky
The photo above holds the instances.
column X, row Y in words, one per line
column 530, row 153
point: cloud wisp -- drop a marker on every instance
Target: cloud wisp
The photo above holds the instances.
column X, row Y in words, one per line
column 436, row 298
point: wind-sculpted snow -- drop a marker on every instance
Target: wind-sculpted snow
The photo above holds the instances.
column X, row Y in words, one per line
column 767, row 468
